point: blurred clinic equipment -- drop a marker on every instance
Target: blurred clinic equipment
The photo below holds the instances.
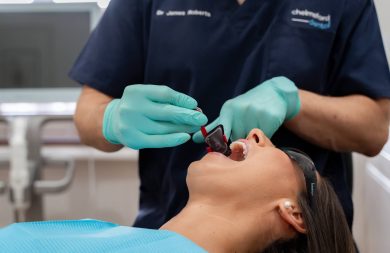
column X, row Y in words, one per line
column 40, row 153
column 36, row 49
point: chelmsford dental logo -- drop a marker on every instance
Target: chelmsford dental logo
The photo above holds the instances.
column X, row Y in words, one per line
column 311, row 18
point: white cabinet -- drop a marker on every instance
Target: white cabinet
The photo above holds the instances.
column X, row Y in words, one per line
column 372, row 202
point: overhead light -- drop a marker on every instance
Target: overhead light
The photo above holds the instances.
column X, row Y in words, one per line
column 101, row 3
column 74, row 1
column 16, row 1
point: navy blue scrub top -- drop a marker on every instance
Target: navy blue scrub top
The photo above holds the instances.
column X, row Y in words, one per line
column 216, row 50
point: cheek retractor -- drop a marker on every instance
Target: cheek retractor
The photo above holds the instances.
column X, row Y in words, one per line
column 216, row 139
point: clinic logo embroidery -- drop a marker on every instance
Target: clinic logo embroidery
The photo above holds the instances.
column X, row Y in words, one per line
column 311, row 18
column 183, row 13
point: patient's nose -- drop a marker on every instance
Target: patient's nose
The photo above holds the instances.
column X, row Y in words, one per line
column 257, row 136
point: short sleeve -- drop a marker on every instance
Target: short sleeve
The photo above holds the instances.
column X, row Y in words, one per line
column 359, row 64
column 113, row 56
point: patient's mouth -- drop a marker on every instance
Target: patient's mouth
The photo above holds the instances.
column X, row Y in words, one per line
column 239, row 151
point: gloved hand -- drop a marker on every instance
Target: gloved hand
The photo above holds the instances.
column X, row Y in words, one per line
column 265, row 107
column 151, row 116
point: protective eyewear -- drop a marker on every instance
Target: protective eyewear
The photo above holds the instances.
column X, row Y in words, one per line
column 308, row 168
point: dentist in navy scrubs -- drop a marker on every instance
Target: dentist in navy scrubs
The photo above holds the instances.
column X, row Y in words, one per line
column 311, row 74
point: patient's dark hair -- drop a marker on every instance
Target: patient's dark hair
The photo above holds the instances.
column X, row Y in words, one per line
column 327, row 228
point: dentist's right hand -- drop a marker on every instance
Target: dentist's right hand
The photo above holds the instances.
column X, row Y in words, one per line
column 151, row 116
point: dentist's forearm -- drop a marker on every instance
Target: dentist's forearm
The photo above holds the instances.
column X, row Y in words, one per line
column 351, row 123
column 89, row 119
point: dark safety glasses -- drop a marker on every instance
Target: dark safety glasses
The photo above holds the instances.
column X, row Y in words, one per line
column 308, row 168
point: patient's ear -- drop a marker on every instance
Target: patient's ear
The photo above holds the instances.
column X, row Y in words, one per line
column 292, row 215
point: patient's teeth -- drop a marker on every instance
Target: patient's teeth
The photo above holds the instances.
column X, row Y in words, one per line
column 245, row 151
column 234, row 146
column 239, row 147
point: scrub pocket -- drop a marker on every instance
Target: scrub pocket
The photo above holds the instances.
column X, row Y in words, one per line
column 301, row 54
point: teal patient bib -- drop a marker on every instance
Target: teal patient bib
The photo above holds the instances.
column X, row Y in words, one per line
column 90, row 236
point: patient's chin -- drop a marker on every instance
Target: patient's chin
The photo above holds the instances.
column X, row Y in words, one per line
column 193, row 166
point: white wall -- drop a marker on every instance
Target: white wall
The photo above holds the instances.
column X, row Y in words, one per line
column 372, row 202
column 383, row 9
column 372, row 179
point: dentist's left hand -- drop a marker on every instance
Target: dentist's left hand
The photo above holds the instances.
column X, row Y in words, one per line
column 266, row 107
column 151, row 116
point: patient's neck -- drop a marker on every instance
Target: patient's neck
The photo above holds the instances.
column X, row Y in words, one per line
column 223, row 229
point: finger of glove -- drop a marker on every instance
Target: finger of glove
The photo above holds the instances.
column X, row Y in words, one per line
column 166, row 95
column 288, row 92
column 247, row 121
column 176, row 115
column 226, row 120
column 239, row 130
column 164, row 141
column 270, row 122
column 198, row 137
column 151, row 127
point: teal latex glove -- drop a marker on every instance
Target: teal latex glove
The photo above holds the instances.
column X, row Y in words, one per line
column 151, row 116
column 265, row 107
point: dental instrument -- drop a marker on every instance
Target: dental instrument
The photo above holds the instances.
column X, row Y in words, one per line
column 216, row 139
